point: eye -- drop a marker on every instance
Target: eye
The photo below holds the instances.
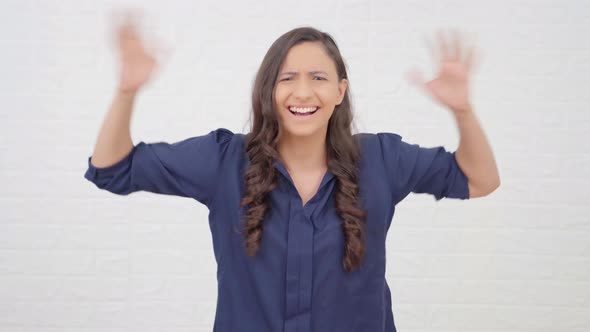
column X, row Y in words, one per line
column 321, row 78
column 286, row 79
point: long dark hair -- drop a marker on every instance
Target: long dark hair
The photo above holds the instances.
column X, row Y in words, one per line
column 343, row 151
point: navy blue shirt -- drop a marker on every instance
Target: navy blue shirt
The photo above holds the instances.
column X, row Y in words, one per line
column 296, row 282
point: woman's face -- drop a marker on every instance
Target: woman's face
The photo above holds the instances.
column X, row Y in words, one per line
column 308, row 79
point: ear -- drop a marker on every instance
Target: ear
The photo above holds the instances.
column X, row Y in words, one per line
column 342, row 86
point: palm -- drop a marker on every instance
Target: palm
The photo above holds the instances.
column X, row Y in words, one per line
column 450, row 87
column 138, row 62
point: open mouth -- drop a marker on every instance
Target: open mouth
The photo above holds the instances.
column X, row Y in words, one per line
column 303, row 112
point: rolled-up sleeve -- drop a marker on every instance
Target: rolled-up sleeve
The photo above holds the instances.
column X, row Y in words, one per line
column 187, row 168
column 412, row 168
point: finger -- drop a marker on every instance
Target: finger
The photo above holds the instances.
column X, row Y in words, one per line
column 469, row 59
column 471, row 56
column 444, row 49
column 127, row 22
column 129, row 39
column 474, row 59
column 457, row 47
column 134, row 16
column 128, row 16
column 117, row 15
column 128, row 33
column 431, row 49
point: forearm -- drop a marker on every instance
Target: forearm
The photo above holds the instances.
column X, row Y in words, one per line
column 114, row 139
column 474, row 154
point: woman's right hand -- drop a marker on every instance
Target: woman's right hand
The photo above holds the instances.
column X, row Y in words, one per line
column 137, row 63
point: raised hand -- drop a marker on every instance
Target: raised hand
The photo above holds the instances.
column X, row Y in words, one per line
column 450, row 87
column 137, row 61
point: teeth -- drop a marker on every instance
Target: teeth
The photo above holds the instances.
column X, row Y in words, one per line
column 303, row 110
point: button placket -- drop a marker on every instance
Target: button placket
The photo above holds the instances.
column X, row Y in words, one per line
column 299, row 270
column 306, row 273
column 298, row 278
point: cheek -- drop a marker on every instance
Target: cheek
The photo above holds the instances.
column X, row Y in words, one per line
column 280, row 93
column 328, row 94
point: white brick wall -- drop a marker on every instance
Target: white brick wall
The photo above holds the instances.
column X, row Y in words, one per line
column 73, row 258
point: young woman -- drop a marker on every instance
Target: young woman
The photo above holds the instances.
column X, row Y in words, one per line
column 299, row 207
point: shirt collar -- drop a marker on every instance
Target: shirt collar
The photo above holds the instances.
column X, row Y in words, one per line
column 283, row 170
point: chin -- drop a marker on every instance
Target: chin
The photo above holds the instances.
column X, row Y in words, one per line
column 301, row 131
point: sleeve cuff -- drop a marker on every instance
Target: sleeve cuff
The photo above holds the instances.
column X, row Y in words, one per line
column 93, row 172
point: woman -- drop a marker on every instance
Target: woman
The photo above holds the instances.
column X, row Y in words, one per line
column 299, row 206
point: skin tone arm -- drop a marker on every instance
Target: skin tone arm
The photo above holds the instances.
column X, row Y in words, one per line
column 137, row 65
column 114, row 138
column 451, row 88
column 475, row 156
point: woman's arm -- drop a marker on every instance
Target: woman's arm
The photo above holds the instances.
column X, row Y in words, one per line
column 114, row 139
column 137, row 65
column 475, row 156
column 450, row 88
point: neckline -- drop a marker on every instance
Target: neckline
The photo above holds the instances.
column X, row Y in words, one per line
column 328, row 175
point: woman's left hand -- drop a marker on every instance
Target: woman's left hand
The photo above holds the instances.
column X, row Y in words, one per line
column 451, row 85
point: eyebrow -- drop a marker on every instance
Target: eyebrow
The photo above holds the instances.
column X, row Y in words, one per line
column 311, row 72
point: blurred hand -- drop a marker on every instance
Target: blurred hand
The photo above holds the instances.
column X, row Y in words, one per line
column 455, row 60
column 137, row 62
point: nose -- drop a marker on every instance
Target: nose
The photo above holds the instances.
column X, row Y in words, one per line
column 302, row 89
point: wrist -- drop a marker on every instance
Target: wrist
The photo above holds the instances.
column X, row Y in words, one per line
column 126, row 93
column 464, row 111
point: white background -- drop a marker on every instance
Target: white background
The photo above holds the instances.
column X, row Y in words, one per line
column 75, row 258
